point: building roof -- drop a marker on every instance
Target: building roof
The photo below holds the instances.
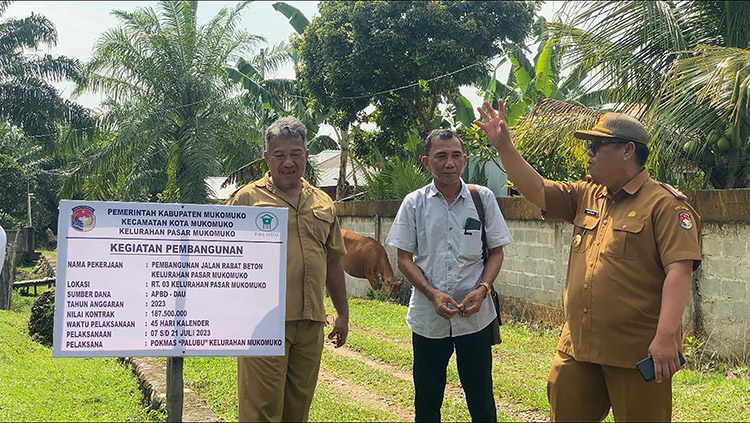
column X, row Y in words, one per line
column 215, row 191
column 328, row 165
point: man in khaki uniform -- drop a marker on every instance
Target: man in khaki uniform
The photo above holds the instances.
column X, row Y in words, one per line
column 281, row 388
column 633, row 249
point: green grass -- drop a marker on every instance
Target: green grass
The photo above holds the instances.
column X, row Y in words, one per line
column 49, row 254
column 387, row 319
column 520, row 367
column 522, row 362
column 702, row 396
column 215, row 381
column 381, row 382
column 36, row 387
column 24, row 272
column 330, row 406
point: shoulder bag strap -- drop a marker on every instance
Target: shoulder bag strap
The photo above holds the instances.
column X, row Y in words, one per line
column 480, row 210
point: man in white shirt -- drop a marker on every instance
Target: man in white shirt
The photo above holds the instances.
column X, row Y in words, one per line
column 438, row 235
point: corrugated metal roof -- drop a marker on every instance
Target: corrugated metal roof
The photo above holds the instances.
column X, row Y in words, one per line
column 328, row 164
column 215, row 191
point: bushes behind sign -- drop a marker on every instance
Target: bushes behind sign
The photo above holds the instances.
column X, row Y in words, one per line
column 42, row 320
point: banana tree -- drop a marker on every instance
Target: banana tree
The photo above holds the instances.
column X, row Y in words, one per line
column 271, row 98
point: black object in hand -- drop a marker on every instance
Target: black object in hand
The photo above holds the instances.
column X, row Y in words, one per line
column 646, row 367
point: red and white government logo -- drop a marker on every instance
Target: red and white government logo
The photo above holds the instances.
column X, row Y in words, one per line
column 82, row 218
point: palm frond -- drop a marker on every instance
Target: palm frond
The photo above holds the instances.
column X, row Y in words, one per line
column 545, row 138
column 54, row 68
column 273, row 58
column 170, row 104
column 704, row 113
column 247, row 173
column 26, row 33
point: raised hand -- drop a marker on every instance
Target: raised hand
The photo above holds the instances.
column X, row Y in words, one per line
column 494, row 123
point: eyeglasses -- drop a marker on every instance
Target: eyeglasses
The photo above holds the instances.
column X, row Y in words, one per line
column 594, row 146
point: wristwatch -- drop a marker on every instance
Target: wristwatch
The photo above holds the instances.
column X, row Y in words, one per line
column 487, row 288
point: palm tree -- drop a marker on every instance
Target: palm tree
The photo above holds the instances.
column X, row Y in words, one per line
column 682, row 66
column 27, row 100
column 173, row 116
column 38, row 173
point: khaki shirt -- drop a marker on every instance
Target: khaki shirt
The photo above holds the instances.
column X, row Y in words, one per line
column 620, row 245
column 313, row 234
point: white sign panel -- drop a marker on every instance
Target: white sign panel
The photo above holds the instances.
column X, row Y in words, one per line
column 149, row 279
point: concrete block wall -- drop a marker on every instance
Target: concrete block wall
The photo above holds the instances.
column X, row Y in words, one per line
column 535, row 264
column 532, row 265
column 725, row 287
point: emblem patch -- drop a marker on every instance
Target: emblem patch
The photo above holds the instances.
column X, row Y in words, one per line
column 82, row 218
column 686, row 220
column 266, row 221
column 632, row 213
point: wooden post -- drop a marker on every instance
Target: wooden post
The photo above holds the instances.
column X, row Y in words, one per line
column 175, row 388
column 6, row 276
column 6, row 282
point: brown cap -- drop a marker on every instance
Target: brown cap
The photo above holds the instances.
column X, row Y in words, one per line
column 616, row 125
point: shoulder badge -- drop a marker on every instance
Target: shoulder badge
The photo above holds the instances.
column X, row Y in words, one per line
column 674, row 191
column 686, row 220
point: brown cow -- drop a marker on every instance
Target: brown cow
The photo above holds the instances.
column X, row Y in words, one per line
column 366, row 258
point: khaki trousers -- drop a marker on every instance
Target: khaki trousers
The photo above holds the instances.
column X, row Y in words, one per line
column 273, row 389
column 579, row 391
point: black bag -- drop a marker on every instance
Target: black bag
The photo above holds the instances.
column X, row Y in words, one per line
column 496, row 339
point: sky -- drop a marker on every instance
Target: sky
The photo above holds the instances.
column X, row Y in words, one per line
column 80, row 23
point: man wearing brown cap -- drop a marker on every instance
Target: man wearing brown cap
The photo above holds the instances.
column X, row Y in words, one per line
column 632, row 252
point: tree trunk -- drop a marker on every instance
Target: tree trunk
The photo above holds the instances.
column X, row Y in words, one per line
column 6, row 282
column 341, row 183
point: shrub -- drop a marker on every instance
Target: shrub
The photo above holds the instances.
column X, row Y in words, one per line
column 42, row 320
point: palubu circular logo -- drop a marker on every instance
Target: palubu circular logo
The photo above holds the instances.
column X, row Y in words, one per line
column 266, row 221
column 82, row 218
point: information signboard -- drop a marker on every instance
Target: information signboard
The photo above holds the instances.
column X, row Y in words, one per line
column 150, row 279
